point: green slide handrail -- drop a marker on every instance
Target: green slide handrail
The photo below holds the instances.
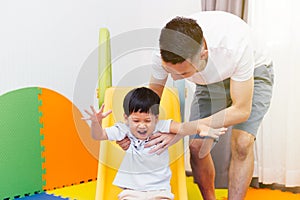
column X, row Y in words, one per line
column 105, row 71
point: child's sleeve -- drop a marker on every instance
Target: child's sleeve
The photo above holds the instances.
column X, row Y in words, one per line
column 116, row 132
column 163, row 126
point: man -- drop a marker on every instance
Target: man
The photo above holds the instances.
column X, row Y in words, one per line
column 233, row 81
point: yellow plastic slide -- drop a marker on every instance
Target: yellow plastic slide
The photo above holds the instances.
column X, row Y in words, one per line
column 111, row 154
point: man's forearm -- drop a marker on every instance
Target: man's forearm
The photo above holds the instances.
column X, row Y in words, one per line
column 227, row 117
column 157, row 85
column 223, row 118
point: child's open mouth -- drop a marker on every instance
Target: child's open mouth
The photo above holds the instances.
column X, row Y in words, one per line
column 142, row 132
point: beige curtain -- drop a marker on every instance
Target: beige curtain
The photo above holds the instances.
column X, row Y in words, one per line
column 237, row 7
column 277, row 24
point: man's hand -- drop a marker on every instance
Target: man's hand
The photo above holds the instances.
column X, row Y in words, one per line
column 162, row 142
column 211, row 132
column 124, row 144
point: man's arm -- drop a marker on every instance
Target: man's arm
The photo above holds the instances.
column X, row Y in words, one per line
column 196, row 127
column 157, row 85
column 241, row 95
column 239, row 111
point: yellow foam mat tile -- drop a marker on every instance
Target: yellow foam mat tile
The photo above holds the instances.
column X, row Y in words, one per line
column 84, row 191
column 194, row 193
column 221, row 194
column 87, row 191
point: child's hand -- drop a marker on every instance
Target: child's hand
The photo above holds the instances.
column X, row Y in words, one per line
column 95, row 116
column 211, row 132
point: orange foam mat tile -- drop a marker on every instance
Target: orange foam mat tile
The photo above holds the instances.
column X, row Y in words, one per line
column 69, row 151
column 84, row 191
column 268, row 194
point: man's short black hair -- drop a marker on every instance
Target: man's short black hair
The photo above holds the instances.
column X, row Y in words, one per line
column 180, row 39
column 142, row 100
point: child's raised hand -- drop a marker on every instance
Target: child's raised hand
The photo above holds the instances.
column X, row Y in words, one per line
column 95, row 116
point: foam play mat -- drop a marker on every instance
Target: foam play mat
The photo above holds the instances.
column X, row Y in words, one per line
column 252, row 194
column 20, row 156
column 44, row 144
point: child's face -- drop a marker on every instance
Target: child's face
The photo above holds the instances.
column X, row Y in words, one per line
column 141, row 125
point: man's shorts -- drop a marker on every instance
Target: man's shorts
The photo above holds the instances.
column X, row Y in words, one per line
column 211, row 98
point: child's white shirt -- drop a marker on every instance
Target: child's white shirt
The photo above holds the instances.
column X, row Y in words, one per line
column 139, row 169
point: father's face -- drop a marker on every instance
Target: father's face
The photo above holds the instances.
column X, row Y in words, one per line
column 185, row 69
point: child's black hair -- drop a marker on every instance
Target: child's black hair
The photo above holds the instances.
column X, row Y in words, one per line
column 142, row 100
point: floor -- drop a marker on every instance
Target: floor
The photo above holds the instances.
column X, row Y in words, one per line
column 86, row 191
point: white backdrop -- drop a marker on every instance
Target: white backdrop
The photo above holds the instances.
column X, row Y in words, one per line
column 277, row 22
column 45, row 42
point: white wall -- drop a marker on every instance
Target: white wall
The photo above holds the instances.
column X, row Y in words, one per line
column 45, row 43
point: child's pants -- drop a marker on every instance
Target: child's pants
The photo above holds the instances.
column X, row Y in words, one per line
column 148, row 195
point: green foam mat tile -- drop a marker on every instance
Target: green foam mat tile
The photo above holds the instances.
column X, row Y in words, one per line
column 20, row 155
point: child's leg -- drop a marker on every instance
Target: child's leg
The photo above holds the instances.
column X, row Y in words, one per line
column 131, row 195
column 150, row 195
column 160, row 195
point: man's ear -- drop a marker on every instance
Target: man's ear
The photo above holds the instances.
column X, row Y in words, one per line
column 204, row 51
column 204, row 54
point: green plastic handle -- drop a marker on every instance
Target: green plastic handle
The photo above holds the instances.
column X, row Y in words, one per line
column 104, row 72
